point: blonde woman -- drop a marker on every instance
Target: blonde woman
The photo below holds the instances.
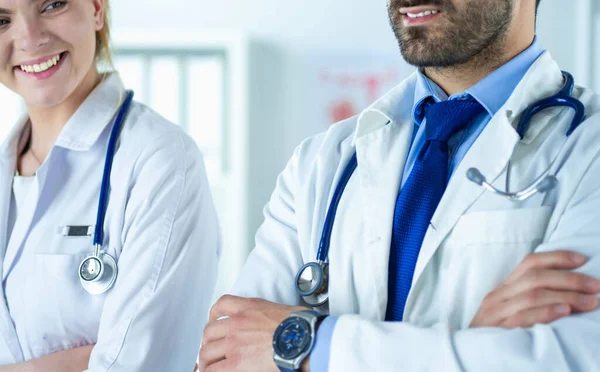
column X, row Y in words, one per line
column 156, row 248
